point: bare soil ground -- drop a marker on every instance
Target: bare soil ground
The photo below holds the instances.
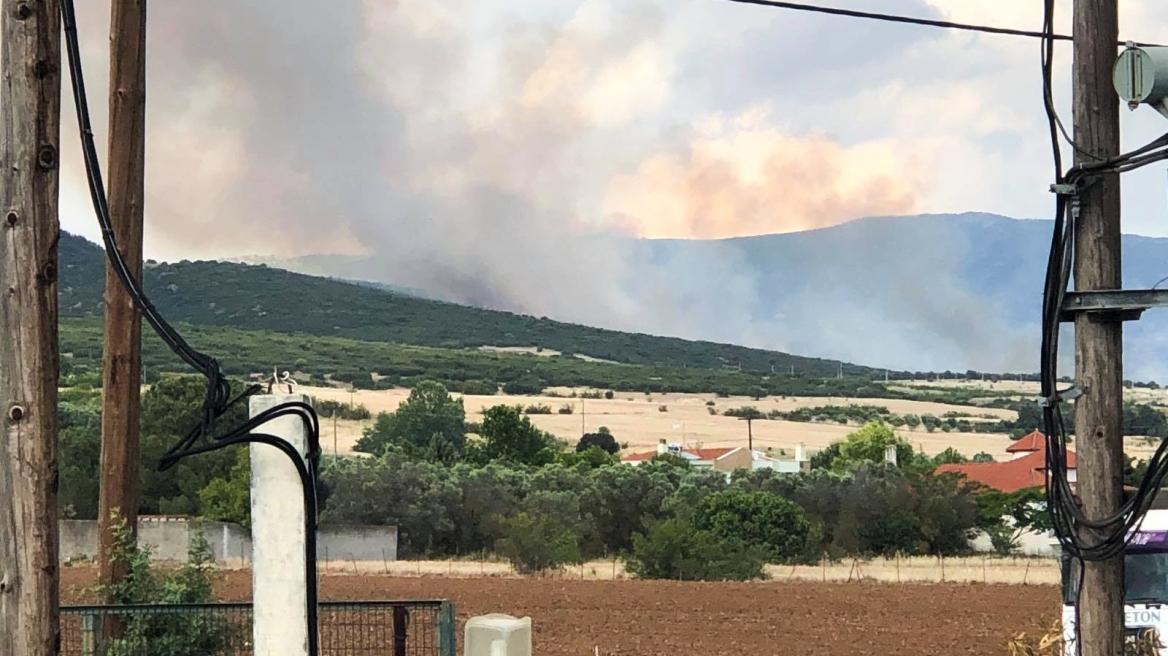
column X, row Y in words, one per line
column 656, row 618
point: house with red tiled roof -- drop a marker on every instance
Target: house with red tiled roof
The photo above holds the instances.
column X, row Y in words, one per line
column 1026, row 469
column 723, row 459
column 1028, row 444
column 700, row 458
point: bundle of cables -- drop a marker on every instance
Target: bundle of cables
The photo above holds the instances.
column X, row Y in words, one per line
column 202, row 437
column 1081, row 537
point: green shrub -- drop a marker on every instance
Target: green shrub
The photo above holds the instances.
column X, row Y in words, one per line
column 168, row 634
column 538, row 409
column 1003, row 539
column 535, row 542
column 674, row 549
column 566, row 409
column 480, row 388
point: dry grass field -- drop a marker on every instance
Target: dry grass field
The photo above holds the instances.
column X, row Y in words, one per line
column 641, row 420
column 972, row 569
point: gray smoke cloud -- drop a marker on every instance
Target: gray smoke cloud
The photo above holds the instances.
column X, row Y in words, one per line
column 479, row 175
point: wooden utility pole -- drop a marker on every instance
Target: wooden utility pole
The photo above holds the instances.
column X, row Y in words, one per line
column 122, row 356
column 1098, row 337
column 749, row 419
column 30, row 123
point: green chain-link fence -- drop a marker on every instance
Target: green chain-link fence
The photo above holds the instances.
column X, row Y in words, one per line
column 362, row 628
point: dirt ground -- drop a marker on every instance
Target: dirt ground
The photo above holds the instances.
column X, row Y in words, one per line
column 657, row 618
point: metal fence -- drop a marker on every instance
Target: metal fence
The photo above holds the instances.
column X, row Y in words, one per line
column 363, row 628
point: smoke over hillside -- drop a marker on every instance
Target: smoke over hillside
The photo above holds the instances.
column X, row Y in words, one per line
column 485, row 151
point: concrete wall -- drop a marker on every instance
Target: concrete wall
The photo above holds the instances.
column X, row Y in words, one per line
column 357, row 543
column 230, row 543
column 1029, row 544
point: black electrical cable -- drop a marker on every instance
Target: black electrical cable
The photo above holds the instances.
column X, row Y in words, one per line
column 912, row 20
column 201, row 438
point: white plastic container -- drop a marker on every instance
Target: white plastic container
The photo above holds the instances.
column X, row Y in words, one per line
column 497, row 635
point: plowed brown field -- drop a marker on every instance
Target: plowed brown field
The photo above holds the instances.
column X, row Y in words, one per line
column 651, row 618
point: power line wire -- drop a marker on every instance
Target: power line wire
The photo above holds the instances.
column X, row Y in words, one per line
column 912, row 20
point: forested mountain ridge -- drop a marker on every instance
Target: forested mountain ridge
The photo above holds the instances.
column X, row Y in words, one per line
column 209, row 293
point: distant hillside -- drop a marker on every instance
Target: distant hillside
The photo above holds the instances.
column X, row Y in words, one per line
column 263, row 298
column 931, row 292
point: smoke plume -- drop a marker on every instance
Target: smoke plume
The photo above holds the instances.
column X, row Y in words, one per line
column 486, row 152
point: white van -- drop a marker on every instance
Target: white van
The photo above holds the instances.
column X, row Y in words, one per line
column 1145, row 587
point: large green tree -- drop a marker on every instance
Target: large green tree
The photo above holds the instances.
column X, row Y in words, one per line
column 429, row 424
column 760, row 519
column 675, row 549
column 79, row 444
column 509, row 436
column 170, row 408
column 869, row 443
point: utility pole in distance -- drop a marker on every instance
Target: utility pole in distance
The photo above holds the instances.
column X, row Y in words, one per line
column 749, row 419
column 121, row 369
column 30, row 125
column 1098, row 337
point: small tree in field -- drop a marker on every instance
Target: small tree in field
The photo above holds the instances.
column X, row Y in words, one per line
column 535, row 542
column 603, row 441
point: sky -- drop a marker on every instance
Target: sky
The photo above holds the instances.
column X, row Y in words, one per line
column 473, row 142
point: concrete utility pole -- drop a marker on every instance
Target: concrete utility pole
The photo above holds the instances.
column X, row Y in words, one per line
column 1098, row 337
column 30, row 126
column 279, row 586
column 121, row 369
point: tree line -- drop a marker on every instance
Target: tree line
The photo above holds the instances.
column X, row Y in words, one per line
column 1138, row 418
column 500, row 485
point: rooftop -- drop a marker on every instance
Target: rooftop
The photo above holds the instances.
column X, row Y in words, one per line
column 1035, row 441
column 1011, row 475
column 689, row 454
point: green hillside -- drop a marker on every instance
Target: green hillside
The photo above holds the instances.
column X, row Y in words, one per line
column 385, row 365
column 262, row 298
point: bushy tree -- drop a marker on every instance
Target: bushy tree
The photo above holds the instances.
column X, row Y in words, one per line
column 170, row 408
column 1004, row 516
column 603, row 441
column 825, row 458
column 760, row 519
column 79, row 444
column 229, row 500
column 676, row 550
column 509, row 436
column 430, row 423
column 949, row 456
column 420, row 498
column 591, row 458
column 536, row 542
column 869, row 444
